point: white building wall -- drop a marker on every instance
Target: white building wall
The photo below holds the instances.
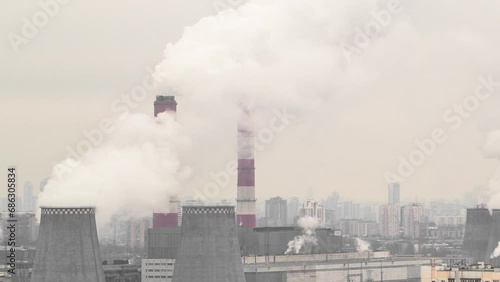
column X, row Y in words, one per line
column 157, row 270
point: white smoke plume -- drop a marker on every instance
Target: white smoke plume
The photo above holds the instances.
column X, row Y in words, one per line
column 287, row 54
column 496, row 252
column 279, row 53
column 362, row 245
column 257, row 53
column 134, row 171
column 308, row 225
column 491, row 149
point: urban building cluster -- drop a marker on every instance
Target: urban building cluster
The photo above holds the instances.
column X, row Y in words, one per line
column 248, row 239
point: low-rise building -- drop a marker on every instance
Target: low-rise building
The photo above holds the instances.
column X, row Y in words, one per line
column 157, row 270
column 470, row 273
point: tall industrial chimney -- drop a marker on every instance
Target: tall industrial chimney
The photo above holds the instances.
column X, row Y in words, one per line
column 246, row 172
column 171, row 217
column 165, row 104
column 67, row 247
column 209, row 250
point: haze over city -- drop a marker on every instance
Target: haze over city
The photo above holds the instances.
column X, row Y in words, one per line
column 369, row 113
column 243, row 140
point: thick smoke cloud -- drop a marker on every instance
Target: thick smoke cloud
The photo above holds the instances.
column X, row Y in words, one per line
column 362, row 245
column 308, row 237
column 133, row 172
column 355, row 115
column 359, row 110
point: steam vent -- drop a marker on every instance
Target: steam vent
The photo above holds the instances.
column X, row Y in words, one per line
column 68, row 248
column 209, row 249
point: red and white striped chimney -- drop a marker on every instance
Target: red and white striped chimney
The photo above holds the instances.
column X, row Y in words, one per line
column 170, row 218
column 246, row 173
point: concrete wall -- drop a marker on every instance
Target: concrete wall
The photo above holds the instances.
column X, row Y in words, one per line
column 266, row 277
column 163, row 243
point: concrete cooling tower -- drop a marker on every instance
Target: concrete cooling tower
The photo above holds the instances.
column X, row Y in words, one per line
column 478, row 228
column 495, row 234
column 209, row 249
column 67, row 247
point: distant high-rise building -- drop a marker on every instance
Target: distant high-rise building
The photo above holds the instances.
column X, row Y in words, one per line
column 26, row 227
column 276, row 212
column 369, row 212
column 293, row 210
column 29, row 198
column 331, row 202
column 393, row 195
column 137, row 232
column 348, row 210
column 313, row 209
column 389, row 220
column 411, row 217
column 449, row 220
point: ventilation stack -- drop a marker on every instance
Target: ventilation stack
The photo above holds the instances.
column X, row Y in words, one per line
column 477, row 234
column 209, row 250
column 67, row 247
column 169, row 218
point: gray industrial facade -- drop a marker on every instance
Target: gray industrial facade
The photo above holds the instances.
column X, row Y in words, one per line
column 163, row 242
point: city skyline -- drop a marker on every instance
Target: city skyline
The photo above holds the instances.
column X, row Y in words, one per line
column 368, row 139
column 250, row 140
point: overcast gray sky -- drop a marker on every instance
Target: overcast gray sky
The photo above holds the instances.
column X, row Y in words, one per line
column 394, row 91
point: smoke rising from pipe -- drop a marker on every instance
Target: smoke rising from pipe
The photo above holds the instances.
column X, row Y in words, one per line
column 257, row 53
column 308, row 237
column 276, row 53
column 133, row 172
column 362, row 245
column 496, row 252
column 490, row 124
column 288, row 52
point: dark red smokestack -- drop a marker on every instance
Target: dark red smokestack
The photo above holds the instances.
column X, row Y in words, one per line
column 246, row 172
column 165, row 104
column 171, row 218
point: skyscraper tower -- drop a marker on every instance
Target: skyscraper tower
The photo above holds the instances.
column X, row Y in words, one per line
column 246, row 172
column 393, row 194
column 170, row 218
